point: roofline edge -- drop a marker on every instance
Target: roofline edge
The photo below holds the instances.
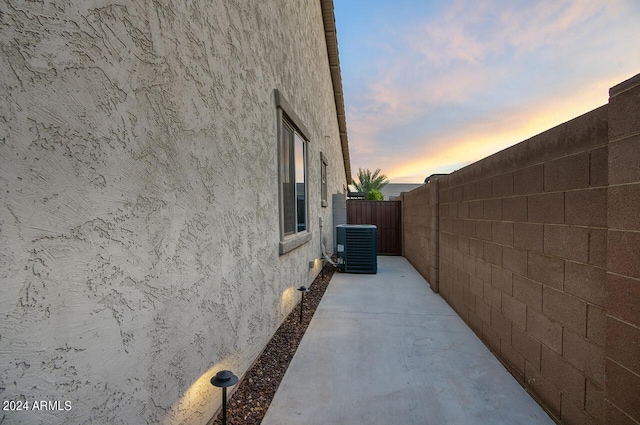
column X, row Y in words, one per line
column 331, row 40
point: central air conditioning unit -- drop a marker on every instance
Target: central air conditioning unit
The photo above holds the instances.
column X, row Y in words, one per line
column 357, row 248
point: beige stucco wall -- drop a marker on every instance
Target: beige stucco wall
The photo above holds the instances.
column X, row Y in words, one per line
column 139, row 203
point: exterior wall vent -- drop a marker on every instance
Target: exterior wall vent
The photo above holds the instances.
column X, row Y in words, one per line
column 357, row 248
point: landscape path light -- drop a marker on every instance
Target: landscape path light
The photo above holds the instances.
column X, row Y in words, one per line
column 302, row 289
column 224, row 379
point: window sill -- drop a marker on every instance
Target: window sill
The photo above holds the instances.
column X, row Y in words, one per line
column 292, row 242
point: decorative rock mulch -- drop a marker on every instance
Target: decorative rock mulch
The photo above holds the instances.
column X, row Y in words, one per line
column 252, row 398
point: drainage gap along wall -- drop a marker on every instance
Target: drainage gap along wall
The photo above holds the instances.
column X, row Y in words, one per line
column 537, row 248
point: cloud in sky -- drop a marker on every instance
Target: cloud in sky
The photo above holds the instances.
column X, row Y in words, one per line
column 431, row 87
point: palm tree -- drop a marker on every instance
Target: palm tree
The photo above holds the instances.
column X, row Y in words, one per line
column 368, row 181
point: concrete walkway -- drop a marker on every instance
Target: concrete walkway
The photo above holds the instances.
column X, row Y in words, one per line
column 384, row 349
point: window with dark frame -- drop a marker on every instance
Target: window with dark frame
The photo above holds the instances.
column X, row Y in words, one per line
column 293, row 178
column 293, row 187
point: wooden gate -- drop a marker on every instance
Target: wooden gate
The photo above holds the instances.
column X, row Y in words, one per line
column 386, row 215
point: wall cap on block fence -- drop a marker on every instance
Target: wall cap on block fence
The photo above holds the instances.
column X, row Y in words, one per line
column 624, row 86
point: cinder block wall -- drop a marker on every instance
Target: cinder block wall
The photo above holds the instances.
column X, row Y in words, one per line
column 530, row 238
column 622, row 364
column 522, row 261
column 419, row 221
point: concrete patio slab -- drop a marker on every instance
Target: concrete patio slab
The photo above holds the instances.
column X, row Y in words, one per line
column 384, row 349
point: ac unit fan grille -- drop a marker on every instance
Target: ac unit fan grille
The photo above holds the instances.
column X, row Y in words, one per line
column 360, row 249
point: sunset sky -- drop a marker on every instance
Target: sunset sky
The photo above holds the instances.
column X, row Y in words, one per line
column 431, row 86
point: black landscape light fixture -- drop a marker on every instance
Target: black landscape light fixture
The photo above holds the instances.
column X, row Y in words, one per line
column 224, row 379
column 302, row 290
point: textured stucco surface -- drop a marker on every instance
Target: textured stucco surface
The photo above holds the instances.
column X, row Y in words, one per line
column 139, row 204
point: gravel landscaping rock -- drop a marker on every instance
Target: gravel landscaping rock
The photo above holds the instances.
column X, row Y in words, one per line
column 250, row 401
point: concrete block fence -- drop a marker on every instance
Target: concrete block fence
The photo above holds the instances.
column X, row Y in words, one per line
column 537, row 248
